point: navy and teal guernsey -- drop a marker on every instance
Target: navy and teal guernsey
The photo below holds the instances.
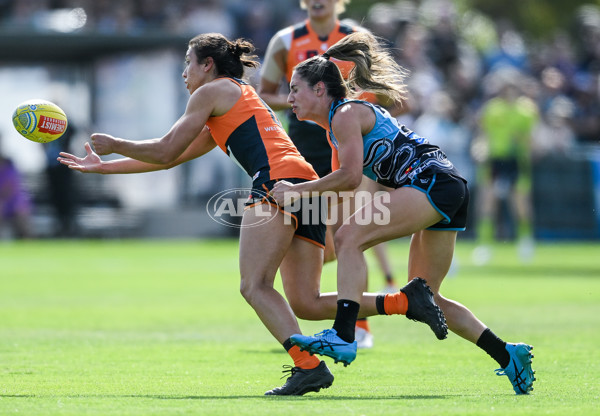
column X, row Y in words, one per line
column 393, row 155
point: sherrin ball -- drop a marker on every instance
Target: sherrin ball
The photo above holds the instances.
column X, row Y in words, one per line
column 39, row 120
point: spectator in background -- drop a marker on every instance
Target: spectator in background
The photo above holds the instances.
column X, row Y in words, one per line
column 586, row 117
column 255, row 20
column 443, row 44
column 15, row 203
column 206, row 16
column 440, row 124
column 423, row 80
column 553, row 137
column 27, row 13
column 115, row 17
column 587, row 30
column 154, row 13
column 507, row 121
column 585, row 82
column 509, row 52
column 552, row 85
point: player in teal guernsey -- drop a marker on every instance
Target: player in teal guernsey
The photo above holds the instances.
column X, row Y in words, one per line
column 428, row 201
column 394, row 155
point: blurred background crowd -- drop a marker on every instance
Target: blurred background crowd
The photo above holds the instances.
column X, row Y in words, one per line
column 451, row 52
column 463, row 60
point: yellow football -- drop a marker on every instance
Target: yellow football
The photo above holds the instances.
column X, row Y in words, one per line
column 40, row 120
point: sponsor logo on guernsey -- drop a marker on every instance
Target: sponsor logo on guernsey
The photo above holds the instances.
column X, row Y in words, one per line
column 271, row 128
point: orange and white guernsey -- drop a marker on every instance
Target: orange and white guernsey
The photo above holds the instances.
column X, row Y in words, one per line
column 304, row 43
column 252, row 136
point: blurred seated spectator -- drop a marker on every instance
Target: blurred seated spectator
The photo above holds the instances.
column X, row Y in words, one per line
column 441, row 125
column 206, row 16
column 554, row 136
column 15, row 203
column 586, row 120
column 26, row 13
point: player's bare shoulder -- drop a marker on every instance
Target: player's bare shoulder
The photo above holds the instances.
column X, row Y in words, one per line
column 220, row 94
column 353, row 114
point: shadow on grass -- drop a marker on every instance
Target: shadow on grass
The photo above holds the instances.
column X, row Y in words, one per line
column 232, row 397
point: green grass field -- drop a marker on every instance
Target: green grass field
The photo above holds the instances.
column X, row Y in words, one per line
column 159, row 328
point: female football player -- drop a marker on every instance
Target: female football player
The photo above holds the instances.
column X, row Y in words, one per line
column 428, row 202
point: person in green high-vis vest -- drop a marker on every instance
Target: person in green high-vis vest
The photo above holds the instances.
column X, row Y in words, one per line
column 506, row 124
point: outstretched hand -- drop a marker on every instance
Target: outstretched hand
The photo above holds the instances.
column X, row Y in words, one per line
column 91, row 163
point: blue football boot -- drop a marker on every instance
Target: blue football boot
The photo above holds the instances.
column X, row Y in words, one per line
column 519, row 370
column 327, row 343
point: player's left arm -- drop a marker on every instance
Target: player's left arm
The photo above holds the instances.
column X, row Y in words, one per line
column 347, row 125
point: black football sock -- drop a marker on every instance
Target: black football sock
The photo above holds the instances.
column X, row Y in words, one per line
column 379, row 304
column 494, row 346
column 345, row 319
column 287, row 344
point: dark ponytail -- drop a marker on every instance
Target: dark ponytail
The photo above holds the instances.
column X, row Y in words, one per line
column 230, row 57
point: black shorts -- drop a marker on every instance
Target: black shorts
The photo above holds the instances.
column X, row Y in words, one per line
column 448, row 194
column 308, row 215
column 506, row 170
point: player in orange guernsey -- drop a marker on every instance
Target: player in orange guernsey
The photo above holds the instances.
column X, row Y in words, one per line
column 251, row 132
column 226, row 112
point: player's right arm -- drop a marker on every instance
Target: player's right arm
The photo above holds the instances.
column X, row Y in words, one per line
column 92, row 163
column 212, row 99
